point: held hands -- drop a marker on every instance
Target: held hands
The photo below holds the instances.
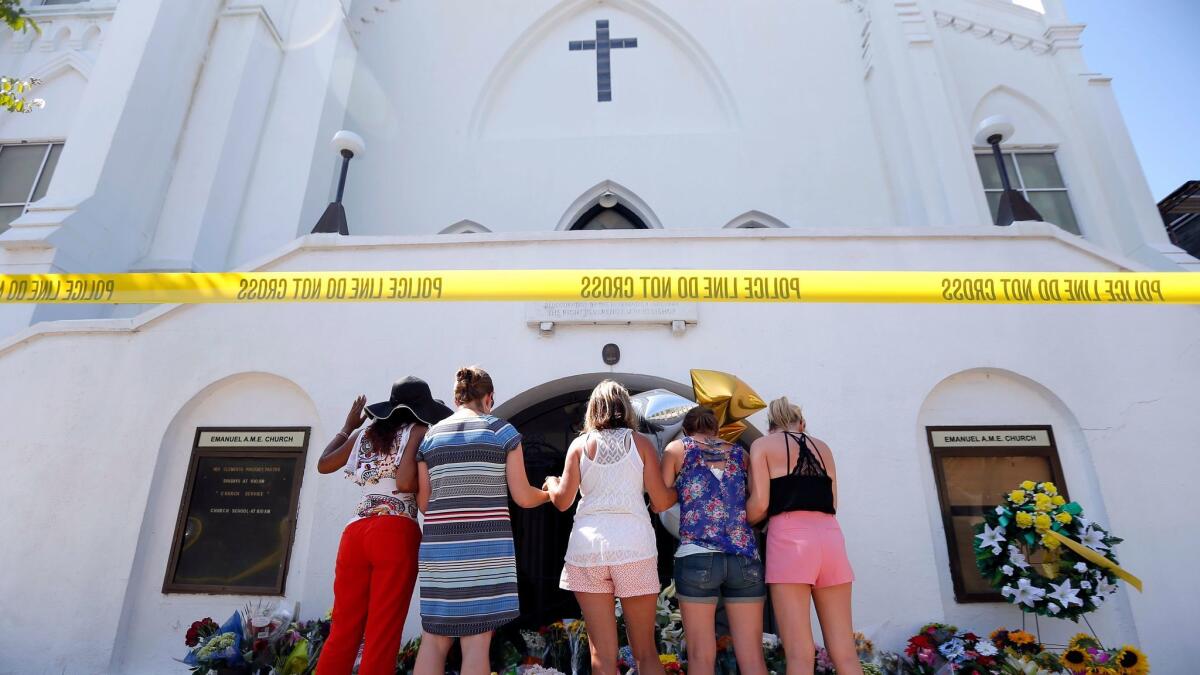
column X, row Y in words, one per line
column 551, row 484
column 355, row 417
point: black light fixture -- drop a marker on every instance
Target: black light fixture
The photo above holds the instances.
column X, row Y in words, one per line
column 1013, row 206
column 348, row 144
column 611, row 354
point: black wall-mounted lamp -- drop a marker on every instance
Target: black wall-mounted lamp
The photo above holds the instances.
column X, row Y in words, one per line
column 348, row 144
column 1013, row 206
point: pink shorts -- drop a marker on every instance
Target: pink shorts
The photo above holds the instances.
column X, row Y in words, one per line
column 627, row 580
column 807, row 547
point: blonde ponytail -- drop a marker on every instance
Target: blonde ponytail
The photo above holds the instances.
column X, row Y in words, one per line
column 783, row 414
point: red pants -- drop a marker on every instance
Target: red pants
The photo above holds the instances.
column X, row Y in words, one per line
column 372, row 585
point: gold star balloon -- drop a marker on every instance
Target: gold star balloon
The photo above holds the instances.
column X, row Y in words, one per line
column 730, row 398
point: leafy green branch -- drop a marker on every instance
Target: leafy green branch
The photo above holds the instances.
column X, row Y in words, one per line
column 14, row 90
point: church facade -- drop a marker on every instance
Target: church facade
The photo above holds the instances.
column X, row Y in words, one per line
column 773, row 134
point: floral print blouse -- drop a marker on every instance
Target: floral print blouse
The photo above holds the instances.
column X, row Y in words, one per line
column 712, row 508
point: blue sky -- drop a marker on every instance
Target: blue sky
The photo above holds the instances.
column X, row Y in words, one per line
column 1152, row 50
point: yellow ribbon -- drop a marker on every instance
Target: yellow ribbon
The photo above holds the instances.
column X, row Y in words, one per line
column 1096, row 559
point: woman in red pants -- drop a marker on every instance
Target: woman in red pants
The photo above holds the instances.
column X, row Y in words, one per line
column 377, row 559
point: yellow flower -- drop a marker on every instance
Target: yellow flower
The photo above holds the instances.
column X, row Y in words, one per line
column 1064, row 518
column 1049, row 489
column 1024, row 519
column 1132, row 661
column 1076, row 660
column 1020, row 637
column 1017, row 497
column 1042, row 521
column 1028, row 485
column 1042, row 502
column 1082, row 641
column 1050, row 542
column 1058, row 500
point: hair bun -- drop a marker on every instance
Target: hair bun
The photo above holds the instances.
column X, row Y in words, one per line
column 464, row 375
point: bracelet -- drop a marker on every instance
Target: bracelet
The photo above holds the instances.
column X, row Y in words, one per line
column 342, row 433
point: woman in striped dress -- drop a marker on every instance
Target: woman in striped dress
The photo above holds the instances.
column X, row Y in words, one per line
column 467, row 466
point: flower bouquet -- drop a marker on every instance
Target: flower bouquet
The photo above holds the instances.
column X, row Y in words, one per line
column 1085, row 654
column 1019, row 549
column 215, row 648
column 938, row 645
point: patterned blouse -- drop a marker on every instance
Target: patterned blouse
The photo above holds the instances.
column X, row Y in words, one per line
column 375, row 473
column 712, row 509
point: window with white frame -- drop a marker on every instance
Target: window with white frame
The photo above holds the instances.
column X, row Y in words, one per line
column 25, row 171
column 1036, row 176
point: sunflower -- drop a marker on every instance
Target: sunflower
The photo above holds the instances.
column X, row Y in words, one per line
column 1131, row 660
column 1082, row 641
column 1076, row 660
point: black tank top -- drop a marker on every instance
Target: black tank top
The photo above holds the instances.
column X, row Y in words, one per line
column 807, row 487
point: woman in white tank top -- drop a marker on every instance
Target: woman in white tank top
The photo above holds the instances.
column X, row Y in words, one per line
column 612, row 552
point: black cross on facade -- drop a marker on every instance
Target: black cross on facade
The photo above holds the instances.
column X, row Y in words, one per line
column 602, row 44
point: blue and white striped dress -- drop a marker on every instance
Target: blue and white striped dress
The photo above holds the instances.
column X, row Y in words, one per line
column 467, row 560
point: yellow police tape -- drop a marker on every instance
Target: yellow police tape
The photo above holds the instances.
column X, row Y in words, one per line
column 607, row 285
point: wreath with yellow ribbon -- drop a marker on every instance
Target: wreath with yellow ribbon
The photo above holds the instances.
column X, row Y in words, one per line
column 1044, row 556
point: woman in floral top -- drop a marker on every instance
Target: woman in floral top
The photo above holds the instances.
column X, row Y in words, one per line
column 717, row 555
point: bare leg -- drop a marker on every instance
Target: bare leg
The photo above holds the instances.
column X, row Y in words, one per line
column 431, row 657
column 699, row 619
column 640, row 616
column 600, row 618
column 793, row 605
column 475, row 653
column 833, row 610
column 746, row 623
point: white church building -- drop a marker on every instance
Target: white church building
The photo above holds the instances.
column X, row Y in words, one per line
column 766, row 134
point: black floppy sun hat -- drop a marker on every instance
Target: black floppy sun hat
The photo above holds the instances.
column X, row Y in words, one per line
column 411, row 400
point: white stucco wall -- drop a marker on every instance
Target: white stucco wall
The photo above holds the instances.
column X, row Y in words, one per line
column 1115, row 382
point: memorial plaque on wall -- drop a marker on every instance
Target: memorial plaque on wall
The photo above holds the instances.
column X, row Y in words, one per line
column 237, row 517
column 975, row 467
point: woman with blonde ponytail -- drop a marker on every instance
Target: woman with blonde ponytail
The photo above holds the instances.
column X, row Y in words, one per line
column 793, row 480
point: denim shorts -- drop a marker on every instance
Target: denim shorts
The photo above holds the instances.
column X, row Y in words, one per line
column 704, row 577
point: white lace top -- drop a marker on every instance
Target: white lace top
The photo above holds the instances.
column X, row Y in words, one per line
column 612, row 525
column 375, row 472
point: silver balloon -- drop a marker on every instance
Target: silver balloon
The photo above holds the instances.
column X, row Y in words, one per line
column 661, row 412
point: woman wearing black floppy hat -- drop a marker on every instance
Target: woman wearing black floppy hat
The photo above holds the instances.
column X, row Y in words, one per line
column 376, row 567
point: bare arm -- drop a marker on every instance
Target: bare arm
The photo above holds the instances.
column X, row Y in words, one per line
column 423, row 489
column 760, row 484
column 337, row 452
column 563, row 490
column 661, row 496
column 671, row 462
column 525, row 495
column 406, row 471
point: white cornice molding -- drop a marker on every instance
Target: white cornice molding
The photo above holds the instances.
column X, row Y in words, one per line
column 259, row 10
column 991, row 33
column 71, row 60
